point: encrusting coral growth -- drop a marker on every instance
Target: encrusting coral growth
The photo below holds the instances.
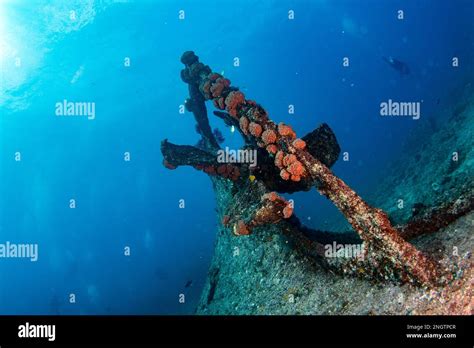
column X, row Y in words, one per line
column 289, row 164
column 272, row 209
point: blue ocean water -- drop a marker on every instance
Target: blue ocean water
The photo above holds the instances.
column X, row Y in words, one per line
column 51, row 51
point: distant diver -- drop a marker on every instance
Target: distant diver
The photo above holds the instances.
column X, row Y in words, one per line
column 398, row 65
column 218, row 135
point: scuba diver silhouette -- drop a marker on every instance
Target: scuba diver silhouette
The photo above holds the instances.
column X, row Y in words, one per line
column 398, row 65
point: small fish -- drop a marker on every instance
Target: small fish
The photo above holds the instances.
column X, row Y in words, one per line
column 188, row 283
column 232, row 129
column 251, row 178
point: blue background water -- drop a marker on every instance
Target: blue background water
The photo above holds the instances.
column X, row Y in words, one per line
column 135, row 204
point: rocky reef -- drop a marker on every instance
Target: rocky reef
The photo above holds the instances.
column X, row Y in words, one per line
column 434, row 179
column 267, row 262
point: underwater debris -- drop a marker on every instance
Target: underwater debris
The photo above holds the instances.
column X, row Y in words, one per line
column 290, row 164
